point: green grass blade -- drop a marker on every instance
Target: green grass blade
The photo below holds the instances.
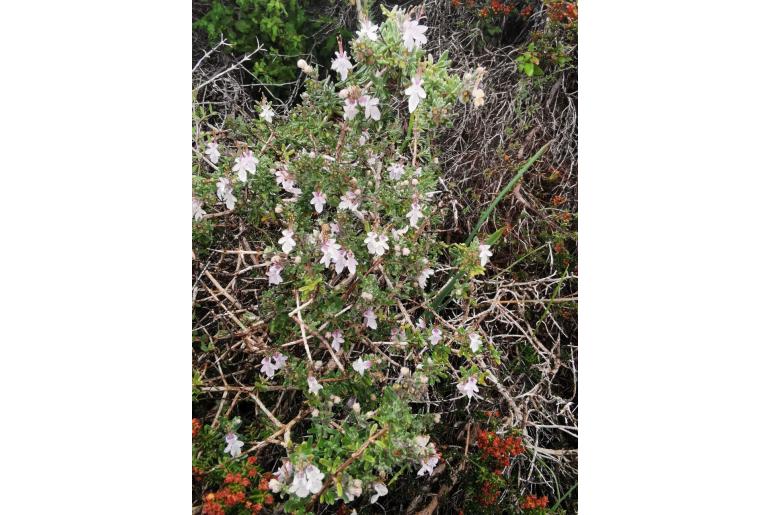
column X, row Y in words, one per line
column 504, row 192
column 438, row 302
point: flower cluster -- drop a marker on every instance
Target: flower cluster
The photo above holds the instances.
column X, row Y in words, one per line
column 499, row 450
column 533, row 502
column 244, row 490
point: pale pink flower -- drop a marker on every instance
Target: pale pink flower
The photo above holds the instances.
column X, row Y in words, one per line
column 307, row 481
column 376, row 243
column 341, row 64
column 337, row 340
column 341, row 261
column 197, row 209
column 468, row 387
column 212, row 150
column 225, row 192
column 233, row 445
column 415, row 93
column 350, row 262
column 370, row 319
column 331, row 252
column 274, row 274
column 267, row 113
column 415, row 214
column 353, row 488
column 381, row 491
column 435, row 336
column 413, row 34
column 281, row 477
column 368, row 30
column 268, row 367
column 475, row 342
column 396, row 171
column 318, row 201
column 348, row 201
column 313, row 385
column 370, row 107
column 350, row 109
column 245, row 163
column 287, row 241
column 361, row 366
column 280, row 360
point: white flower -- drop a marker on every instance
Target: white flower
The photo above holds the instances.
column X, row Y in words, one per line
column 233, row 445
column 314, row 477
column 376, row 243
column 475, row 342
column 435, row 336
column 361, row 366
column 350, row 109
column 287, row 241
column 468, row 387
column 381, row 490
column 370, row 319
column 274, row 274
column 367, row 30
column 348, row 201
column 313, row 385
column 415, row 93
column 225, row 192
column 212, row 150
column 331, row 252
column 484, row 254
column 268, row 367
column 353, row 489
column 427, row 465
column 420, row 323
column 337, row 339
column 370, row 107
column 318, row 201
column 197, row 209
column 478, row 97
column 415, row 214
column 245, row 163
column 350, row 262
column 413, row 34
column 396, row 171
column 267, row 113
column 422, row 280
column 341, row 64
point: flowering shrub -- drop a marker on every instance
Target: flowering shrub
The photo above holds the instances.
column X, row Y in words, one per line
column 342, row 195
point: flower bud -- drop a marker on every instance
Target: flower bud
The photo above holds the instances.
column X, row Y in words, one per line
column 356, row 408
column 302, row 64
